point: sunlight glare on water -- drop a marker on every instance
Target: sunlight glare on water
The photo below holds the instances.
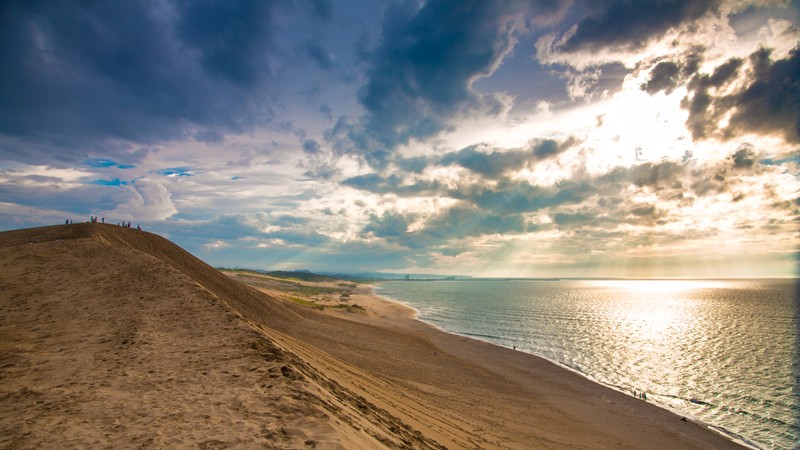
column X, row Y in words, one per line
column 722, row 351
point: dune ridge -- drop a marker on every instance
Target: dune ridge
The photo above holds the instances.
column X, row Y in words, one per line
column 107, row 338
column 111, row 336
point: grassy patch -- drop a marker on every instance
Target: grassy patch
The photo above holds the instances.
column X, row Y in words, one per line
column 351, row 308
column 306, row 303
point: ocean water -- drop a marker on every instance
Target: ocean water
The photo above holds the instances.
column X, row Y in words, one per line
column 723, row 352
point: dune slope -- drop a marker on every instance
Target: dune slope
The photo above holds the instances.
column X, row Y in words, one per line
column 111, row 336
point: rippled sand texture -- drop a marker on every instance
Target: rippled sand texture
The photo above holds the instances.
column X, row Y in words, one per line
column 114, row 337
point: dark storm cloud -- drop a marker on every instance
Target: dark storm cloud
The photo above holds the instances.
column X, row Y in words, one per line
column 664, row 77
column 393, row 184
column 231, row 37
column 722, row 74
column 415, row 164
column 457, row 222
column 515, row 197
column 705, row 109
column 311, row 147
column 771, row 103
column 493, row 164
column 487, row 164
column 767, row 103
column 463, row 221
column 422, row 70
column 323, row 9
column 386, row 225
column 319, row 55
column 743, row 157
column 85, row 75
column 626, row 24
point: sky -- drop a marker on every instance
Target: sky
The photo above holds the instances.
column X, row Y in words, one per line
column 497, row 138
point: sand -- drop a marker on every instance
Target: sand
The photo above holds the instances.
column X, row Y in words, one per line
column 113, row 337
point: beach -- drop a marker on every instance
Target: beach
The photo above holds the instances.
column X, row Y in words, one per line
column 116, row 337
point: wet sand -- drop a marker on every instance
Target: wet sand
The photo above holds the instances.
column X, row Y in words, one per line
column 112, row 337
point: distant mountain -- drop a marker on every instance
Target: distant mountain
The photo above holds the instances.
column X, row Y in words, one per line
column 372, row 276
column 307, row 275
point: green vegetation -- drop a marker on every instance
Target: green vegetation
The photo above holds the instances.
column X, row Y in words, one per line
column 351, row 308
column 307, row 303
column 303, row 292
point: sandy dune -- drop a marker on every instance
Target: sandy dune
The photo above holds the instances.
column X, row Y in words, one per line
column 113, row 337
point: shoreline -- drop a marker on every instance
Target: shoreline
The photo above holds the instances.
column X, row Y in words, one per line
column 473, row 393
column 117, row 337
column 386, row 306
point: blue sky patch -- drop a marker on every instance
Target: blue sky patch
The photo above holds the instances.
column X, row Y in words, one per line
column 101, row 163
column 175, row 172
column 111, row 182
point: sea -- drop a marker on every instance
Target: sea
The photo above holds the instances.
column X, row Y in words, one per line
column 722, row 352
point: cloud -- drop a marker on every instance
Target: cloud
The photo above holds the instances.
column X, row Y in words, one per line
column 664, row 77
column 386, row 225
column 319, row 55
column 311, row 147
column 481, row 159
column 494, row 163
column 516, row 197
column 421, row 74
column 148, row 201
column 444, row 229
column 394, row 184
column 231, row 38
column 625, row 205
column 629, row 32
column 631, row 25
column 322, row 9
column 463, row 221
column 764, row 100
column 770, row 103
column 744, row 157
column 100, row 76
column 416, row 164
